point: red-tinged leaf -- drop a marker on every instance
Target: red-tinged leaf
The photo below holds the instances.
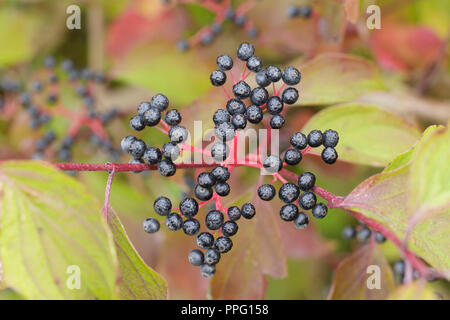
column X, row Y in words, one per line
column 352, row 10
column 411, row 199
column 400, row 47
column 184, row 280
column 353, row 277
column 347, row 77
column 302, row 244
column 257, row 252
column 134, row 27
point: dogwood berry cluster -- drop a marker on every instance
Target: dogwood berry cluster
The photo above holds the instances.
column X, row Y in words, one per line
column 303, row 190
column 249, row 105
column 40, row 97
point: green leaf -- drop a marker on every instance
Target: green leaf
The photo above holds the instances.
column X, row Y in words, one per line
column 418, row 290
column 397, row 200
column 137, row 281
column 353, row 276
column 430, row 174
column 48, row 223
column 15, row 31
column 406, row 157
column 367, row 135
column 335, row 78
column 164, row 69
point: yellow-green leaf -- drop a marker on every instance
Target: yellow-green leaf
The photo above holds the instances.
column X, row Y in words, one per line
column 335, row 78
column 418, row 290
column 137, row 280
column 367, row 134
column 51, row 231
column 394, row 199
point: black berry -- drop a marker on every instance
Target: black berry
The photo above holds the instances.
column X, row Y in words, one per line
column 152, row 117
column 218, row 78
column 224, row 62
column 221, row 116
column 306, row 181
column 212, row 256
column 301, row 221
column 273, row 164
column 289, row 212
column 203, row 193
column 223, row 244
column 225, row 131
column 349, row 232
column 262, row 79
column 160, row 102
column 315, row 138
column 178, row 134
column 235, row 106
column 137, row 123
column 273, row 73
column 152, row 155
column 170, row 151
column 291, row 76
column 191, row 227
column 208, row 270
column 151, row 225
column 319, row 211
column 298, row 140
column 196, row 257
column 292, row 156
column 230, row 228
column 206, row 179
column 259, row 96
column 289, row 95
column 220, row 151
column 239, row 121
column 288, row 192
column 221, row 173
column 307, row 200
column 241, row 90
column 329, row 155
column 222, row 189
column 205, row 240
column 137, row 148
column 254, row 64
column 166, row 168
column 254, row 114
column 274, row 105
column 245, row 51
column 189, row 207
column 173, row 222
column 363, row 234
column 266, row 192
column 172, row 117
column 234, row 213
column 162, row 206
column 248, row 211
column 277, row 121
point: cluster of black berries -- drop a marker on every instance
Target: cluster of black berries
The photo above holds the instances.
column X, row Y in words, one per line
column 237, row 113
column 213, row 183
column 39, row 90
column 232, row 15
column 214, row 221
column 362, row 233
column 149, row 114
column 289, row 192
column 299, row 11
